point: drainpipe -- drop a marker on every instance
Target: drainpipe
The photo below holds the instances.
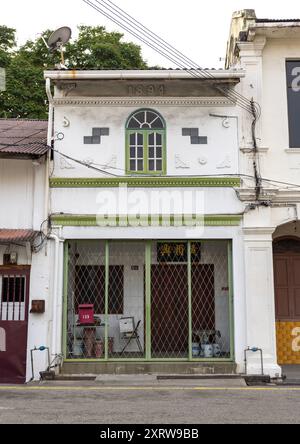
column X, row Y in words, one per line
column 49, row 143
column 56, row 291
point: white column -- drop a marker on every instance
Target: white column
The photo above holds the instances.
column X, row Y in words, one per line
column 260, row 300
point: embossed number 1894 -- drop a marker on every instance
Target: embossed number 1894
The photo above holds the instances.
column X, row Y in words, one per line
column 146, row 90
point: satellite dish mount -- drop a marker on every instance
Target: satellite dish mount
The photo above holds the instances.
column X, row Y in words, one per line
column 58, row 40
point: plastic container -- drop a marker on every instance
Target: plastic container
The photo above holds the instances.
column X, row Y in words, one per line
column 217, row 350
column 208, row 351
column 196, row 350
column 78, row 349
column 99, row 349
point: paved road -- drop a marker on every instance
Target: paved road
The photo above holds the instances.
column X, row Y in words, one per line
column 181, row 403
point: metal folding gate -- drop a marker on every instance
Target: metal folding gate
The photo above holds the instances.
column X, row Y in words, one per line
column 148, row 301
column 14, row 297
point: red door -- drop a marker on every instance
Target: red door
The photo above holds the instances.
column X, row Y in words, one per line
column 14, row 297
column 287, row 287
column 287, row 300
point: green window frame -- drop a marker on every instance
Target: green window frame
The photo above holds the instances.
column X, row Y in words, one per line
column 146, row 144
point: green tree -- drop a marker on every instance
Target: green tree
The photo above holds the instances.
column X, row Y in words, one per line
column 7, row 43
column 94, row 48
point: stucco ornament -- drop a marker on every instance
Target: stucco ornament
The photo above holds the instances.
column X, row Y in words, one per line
column 88, row 161
column 65, row 165
column 66, row 122
column 202, row 161
column 180, row 164
column 112, row 163
column 226, row 123
column 226, row 163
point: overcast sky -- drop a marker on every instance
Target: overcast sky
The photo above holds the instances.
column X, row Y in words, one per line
column 199, row 28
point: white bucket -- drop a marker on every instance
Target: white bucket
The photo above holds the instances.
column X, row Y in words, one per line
column 77, row 348
column 217, row 350
column 208, row 351
column 196, row 349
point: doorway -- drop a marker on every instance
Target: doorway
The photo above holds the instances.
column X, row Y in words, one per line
column 14, row 297
column 287, row 299
column 148, row 300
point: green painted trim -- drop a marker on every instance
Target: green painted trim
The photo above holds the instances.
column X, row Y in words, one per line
column 146, row 170
column 145, row 109
column 148, row 260
column 146, row 182
column 106, row 298
column 231, row 300
column 130, row 361
column 190, row 302
column 65, row 298
column 74, row 220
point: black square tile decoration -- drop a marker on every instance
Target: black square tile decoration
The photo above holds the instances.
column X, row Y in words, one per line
column 95, row 139
column 97, row 132
column 104, row 131
column 186, row 131
column 193, row 133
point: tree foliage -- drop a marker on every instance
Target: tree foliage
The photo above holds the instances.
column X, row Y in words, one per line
column 94, row 48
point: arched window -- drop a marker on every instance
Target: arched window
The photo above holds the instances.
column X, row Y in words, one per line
column 146, row 143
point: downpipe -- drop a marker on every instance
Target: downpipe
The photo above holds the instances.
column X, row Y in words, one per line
column 49, row 144
column 57, row 293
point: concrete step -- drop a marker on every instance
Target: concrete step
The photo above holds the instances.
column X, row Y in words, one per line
column 75, row 378
column 147, row 368
column 140, row 382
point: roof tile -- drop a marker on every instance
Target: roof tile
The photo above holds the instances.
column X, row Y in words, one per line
column 25, row 138
column 8, row 235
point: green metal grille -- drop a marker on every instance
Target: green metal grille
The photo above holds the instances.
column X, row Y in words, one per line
column 151, row 300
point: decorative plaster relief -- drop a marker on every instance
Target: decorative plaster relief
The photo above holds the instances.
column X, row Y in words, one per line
column 225, row 119
column 226, row 163
column 193, row 133
column 112, row 163
column 202, row 161
column 180, row 164
column 66, row 122
column 95, row 139
column 65, row 165
column 88, row 161
column 226, row 123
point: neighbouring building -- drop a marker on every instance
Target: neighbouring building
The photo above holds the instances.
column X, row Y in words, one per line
column 24, row 256
column 269, row 52
column 173, row 232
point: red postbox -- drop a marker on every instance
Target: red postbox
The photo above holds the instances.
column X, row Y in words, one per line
column 86, row 314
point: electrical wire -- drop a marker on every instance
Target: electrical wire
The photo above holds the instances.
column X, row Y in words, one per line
column 135, row 28
column 165, row 49
column 80, row 162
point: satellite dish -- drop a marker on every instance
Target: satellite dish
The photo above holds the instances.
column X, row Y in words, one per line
column 57, row 41
column 59, row 38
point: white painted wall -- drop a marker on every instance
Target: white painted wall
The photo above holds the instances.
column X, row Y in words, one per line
column 22, row 206
column 264, row 60
column 219, row 157
column 22, row 194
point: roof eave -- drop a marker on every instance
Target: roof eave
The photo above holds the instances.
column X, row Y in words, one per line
column 140, row 75
column 19, row 156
